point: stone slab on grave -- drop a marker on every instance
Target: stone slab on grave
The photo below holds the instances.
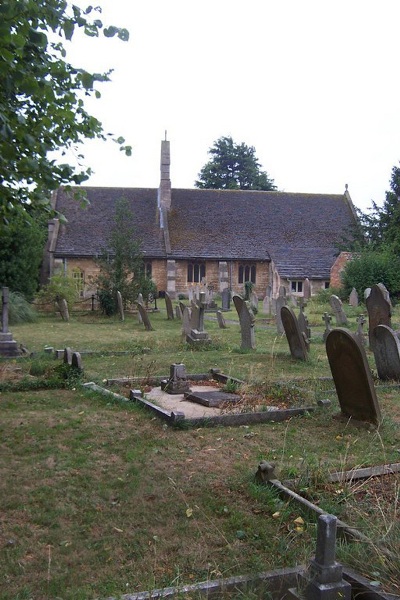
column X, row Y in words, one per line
column 213, row 399
column 386, row 349
column 352, row 377
column 295, row 338
column 379, row 312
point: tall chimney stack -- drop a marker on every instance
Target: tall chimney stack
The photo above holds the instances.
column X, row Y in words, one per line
column 164, row 196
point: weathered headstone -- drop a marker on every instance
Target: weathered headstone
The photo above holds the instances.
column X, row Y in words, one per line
column 247, row 320
column 76, row 360
column 195, row 316
column 197, row 334
column 226, row 299
column 338, row 311
column 323, row 580
column 168, row 305
column 352, row 377
column 120, row 306
column 67, row 358
column 221, row 320
column 327, row 320
column 386, row 353
column 144, row 316
column 367, row 292
column 186, row 321
column 177, row 382
column 63, row 306
column 361, row 320
column 304, row 326
column 295, row 338
column 181, row 306
column 8, row 346
column 267, row 305
column 386, row 293
column 353, row 298
column 280, row 303
column 379, row 312
column 254, row 301
column 190, row 294
column 306, row 289
column 282, row 291
column 178, row 312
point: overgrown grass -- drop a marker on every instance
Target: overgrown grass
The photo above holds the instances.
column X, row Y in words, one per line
column 99, row 498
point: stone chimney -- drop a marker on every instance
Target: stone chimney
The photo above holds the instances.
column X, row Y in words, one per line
column 164, row 192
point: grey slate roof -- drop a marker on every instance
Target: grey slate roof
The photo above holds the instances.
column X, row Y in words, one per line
column 88, row 228
column 297, row 231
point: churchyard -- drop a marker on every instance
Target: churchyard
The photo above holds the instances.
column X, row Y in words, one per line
column 100, row 497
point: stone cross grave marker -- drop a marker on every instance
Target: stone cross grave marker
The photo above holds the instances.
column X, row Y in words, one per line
column 327, row 320
column 120, row 306
column 338, row 311
column 294, row 336
column 226, row 299
column 168, row 305
column 144, row 316
column 247, row 320
column 197, row 333
column 8, row 346
column 379, row 312
column 352, row 377
column 353, row 298
column 221, row 320
column 387, row 353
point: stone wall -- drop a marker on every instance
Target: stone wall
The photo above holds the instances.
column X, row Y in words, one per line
column 338, row 267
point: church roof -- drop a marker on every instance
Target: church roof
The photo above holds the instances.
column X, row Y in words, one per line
column 298, row 232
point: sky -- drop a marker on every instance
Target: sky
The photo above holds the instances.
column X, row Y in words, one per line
column 311, row 84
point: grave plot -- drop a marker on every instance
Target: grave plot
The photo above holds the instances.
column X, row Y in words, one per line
column 220, row 400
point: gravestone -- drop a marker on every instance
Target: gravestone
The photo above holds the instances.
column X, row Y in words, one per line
column 144, row 316
column 282, row 291
column 140, row 301
column 367, row 292
column 304, row 326
column 254, row 301
column 327, row 320
column 178, row 312
column 323, row 580
column 295, row 338
column 267, row 305
column 385, row 292
column 352, row 377
column 293, row 300
column 181, row 306
column 280, row 303
column 386, row 353
column 8, row 346
column 120, row 306
column 306, row 289
column 226, row 299
column 67, row 357
column 197, row 334
column 353, row 298
column 247, row 320
column 177, row 382
column 338, row 311
column 221, row 320
column 379, row 312
column 213, row 399
column 168, row 305
column 360, row 329
column 76, row 360
column 63, row 306
column 186, row 319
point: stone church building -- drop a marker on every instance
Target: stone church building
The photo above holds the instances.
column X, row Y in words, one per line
column 219, row 237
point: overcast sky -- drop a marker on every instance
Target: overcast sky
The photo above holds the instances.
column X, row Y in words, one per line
column 313, row 85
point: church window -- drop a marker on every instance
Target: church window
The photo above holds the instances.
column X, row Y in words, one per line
column 196, row 271
column 296, row 286
column 247, row 273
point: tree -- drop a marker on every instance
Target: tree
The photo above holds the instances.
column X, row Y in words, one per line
column 21, row 251
column 41, row 99
column 121, row 263
column 371, row 267
column 233, row 167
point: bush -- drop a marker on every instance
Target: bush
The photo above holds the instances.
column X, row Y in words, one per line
column 323, row 296
column 370, row 268
column 19, row 309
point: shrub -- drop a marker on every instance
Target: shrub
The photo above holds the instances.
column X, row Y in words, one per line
column 370, row 268
column 19, row 309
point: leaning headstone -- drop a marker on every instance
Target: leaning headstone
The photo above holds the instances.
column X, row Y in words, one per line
column 67, row 358
column 352, row 377
column 386, row 353
column 120, row 306
column 304, row 326
column 178, row 312
column 247, row 320
column 306, row 289
column 226, row 299
column 280, row 303
column 338, row 311
column 8, row 346
column 379, row 312
column 168, row 305
column 327, row 320
column 63, row 306
column 221, row 320
column 144, row 316
column 76, row 360
column 353, row 298
column 323, row 580
column 295, row 338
